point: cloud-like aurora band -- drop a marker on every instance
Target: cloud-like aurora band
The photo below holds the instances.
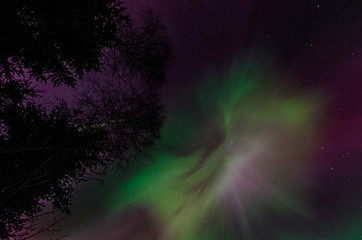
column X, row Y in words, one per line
column 239, row 170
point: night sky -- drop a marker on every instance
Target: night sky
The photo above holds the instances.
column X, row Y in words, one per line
column 263, row 137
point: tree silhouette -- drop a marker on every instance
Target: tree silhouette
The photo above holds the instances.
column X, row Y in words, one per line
column 56, row 40
column 42, row 156
column 44, row 153
column 125, row 101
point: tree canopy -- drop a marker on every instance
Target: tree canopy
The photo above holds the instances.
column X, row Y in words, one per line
column 43, row 153
column 54, row 40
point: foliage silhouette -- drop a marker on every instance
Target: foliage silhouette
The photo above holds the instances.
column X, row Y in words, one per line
column 43, row 153
column 56, row 40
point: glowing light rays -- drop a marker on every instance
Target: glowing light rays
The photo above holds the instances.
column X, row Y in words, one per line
column 245, row 165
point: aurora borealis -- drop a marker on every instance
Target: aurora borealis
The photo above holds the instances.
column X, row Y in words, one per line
column 243, row 168
column 263, row 137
